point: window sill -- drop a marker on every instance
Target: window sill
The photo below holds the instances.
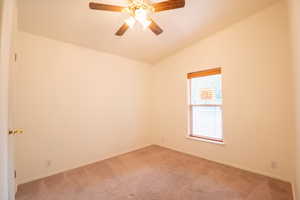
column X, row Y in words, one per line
column 205, row 140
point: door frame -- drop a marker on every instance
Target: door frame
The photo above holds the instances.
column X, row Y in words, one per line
column 7, row 14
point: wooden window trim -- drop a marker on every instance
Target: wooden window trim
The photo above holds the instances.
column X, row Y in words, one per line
column 208, row 72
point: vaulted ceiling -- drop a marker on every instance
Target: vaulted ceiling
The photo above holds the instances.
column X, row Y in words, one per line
column 72, row 21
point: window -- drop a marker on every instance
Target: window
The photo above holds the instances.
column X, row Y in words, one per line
column 205, row 105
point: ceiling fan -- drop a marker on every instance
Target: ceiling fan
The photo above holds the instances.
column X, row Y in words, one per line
column 140, row 11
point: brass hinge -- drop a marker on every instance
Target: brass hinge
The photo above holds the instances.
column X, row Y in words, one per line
column 16, row 57
column 15, row 173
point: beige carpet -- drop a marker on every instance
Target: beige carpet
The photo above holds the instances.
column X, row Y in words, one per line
column 156, row 173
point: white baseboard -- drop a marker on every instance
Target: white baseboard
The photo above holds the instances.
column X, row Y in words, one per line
column 20, row 182
column 143, row 146
column 229, row 164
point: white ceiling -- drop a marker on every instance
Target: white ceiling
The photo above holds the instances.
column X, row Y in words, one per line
column 72, row 21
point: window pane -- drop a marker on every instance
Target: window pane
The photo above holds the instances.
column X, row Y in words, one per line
column 206, row 90
column 207, row 122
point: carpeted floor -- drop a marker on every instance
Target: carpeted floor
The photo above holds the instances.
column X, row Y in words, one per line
column 155, row 173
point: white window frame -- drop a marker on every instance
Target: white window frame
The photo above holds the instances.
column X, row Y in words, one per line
column 209, row 72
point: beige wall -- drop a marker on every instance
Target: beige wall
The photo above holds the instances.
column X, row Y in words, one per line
column 76, row 106
column 295, row 25
column 258, row 128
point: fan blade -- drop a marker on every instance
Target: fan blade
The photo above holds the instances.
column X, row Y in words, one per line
column 122, row 30
column 100, row 6
column 155, row 28
column 168, row 5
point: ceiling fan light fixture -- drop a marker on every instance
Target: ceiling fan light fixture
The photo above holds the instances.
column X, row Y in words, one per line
column 141, row 11
column 146, row 23
column 141, row 14
column 130, row 22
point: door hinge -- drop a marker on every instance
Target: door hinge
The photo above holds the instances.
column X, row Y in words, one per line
column 16, row 57
column 15, row 173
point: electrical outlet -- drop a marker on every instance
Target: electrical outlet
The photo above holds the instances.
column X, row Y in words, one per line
column 274, row 165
